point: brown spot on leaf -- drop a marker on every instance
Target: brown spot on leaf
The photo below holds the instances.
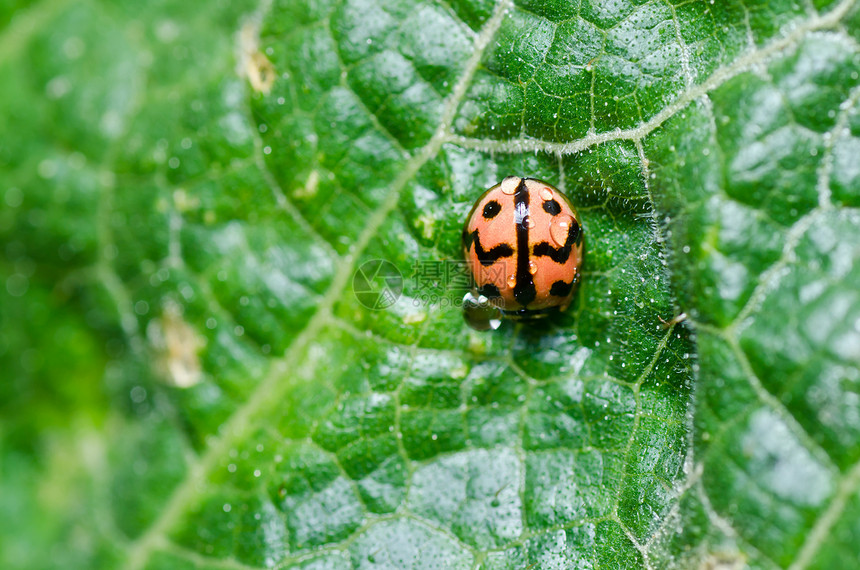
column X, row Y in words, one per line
column 176, row 345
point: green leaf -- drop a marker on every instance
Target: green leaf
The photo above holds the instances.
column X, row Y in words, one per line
column 188, row 197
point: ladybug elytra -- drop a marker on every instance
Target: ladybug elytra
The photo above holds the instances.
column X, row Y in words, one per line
column 523, row 241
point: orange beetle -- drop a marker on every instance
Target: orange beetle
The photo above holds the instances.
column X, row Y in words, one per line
column 523, row 240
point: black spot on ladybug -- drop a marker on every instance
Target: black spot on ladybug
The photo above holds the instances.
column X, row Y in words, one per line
column 560, row 254
column 560, row 288
column 552, row 207
column 489, row 291
column 576, row 231
column 489, row 257
column 491, row 209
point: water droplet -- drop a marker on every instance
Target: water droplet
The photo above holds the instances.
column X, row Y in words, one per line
column 512, row 280
column 546, row 193
column 559, row 228
column 529, row 222
column 480, row 314
column 533, row 267
column 509, row 184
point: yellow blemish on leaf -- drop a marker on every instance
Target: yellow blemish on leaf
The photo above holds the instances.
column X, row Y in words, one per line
column 459, row 372
column 477, row 343
column 183, row 202
column 415, row 318
column 253, row 64
column 426, row 223
column 176, row 345
column 311, row 185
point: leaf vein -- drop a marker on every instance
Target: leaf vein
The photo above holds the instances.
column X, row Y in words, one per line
column 718, row 78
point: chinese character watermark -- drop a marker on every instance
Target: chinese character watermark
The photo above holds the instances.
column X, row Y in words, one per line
column 378, row 283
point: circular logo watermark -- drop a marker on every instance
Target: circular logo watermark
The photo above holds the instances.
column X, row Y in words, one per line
column 377, row 284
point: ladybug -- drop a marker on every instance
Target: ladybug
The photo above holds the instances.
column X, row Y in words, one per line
column 523, row 242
